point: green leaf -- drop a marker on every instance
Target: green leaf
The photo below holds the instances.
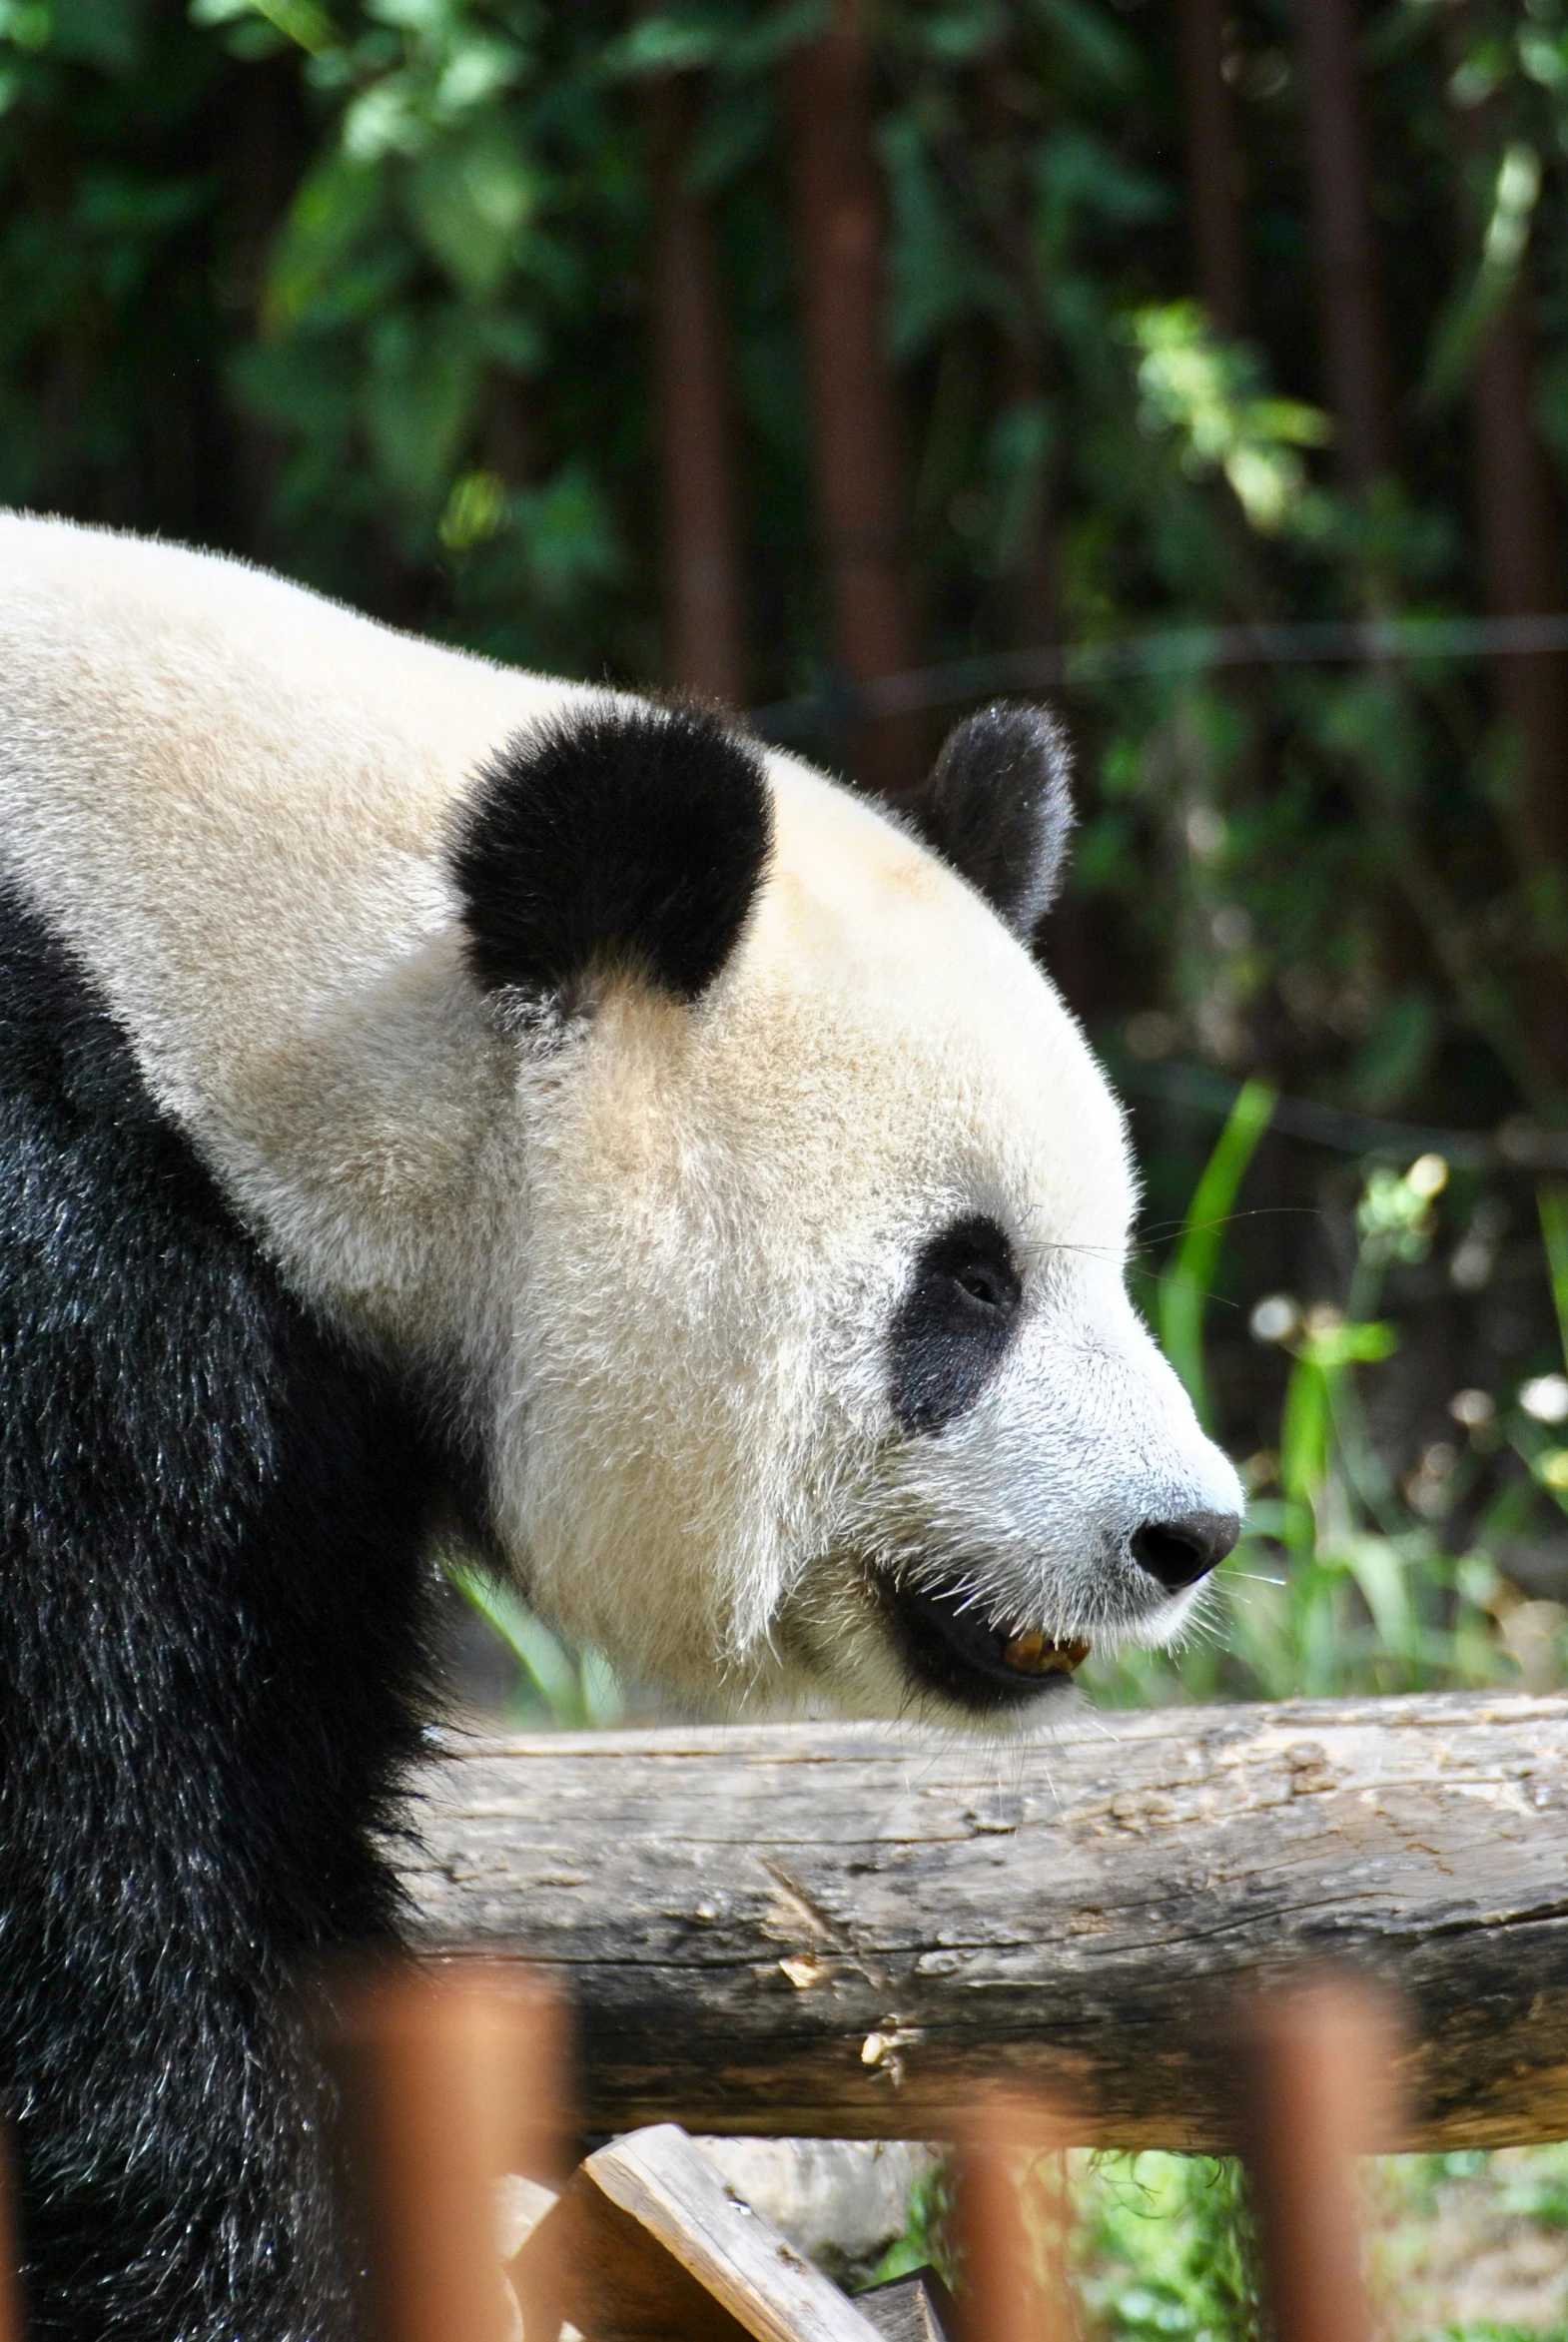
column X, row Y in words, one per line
column 576, row 1692
column 1352, row 1344
column 568, row 535
column 417, row 400
column 1093, row 42
column 110, row 35
column 27, row 24
column 544, row 1660
column 1552, row 1203
column 667, row 40
column 475, row 509
column 327, row 220
column 1209, row 393
column 470, row 199
column 603, row 1701
column 1305, row 1433
column 1185, row 1287
column 1382, row 1575
column 1464, row 325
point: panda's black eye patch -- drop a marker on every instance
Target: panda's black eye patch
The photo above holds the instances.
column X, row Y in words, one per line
column 953, row 1327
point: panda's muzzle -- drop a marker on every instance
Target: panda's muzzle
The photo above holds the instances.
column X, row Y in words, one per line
column 951, row 1649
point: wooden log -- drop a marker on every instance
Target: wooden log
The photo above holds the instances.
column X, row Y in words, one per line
column 846, row 1930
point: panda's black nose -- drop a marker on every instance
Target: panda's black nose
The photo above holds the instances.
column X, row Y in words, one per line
column 1178, row 1553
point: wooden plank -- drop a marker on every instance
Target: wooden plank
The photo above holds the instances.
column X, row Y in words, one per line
column 917, row 2308
column 647, row 2244
column 845, row 1929
column 589, row 2269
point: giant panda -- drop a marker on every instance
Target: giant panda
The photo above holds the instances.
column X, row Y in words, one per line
column 440, row 1102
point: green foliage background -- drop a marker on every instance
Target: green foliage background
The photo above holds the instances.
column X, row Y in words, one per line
column 359, row 287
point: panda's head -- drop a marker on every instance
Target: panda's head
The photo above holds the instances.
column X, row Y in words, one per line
column 812, row 1362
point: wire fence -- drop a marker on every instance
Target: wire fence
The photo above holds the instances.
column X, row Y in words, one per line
column 835, row 701
column 1516, row 1145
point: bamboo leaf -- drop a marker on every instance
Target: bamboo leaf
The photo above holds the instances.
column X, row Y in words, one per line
column 1187, row 1285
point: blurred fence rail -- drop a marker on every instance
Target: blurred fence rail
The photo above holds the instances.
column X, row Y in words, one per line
column 1162, row 651
column 847, row 1930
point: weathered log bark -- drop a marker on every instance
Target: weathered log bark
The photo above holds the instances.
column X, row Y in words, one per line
column 843, row 1929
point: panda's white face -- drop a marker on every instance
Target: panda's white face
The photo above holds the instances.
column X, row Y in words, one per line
column 824, row 1371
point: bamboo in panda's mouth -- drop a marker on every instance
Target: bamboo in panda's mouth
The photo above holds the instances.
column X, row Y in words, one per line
column 1035, row 1654
column 951, row 1647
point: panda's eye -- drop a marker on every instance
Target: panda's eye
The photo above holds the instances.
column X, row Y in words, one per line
column 954, row 1323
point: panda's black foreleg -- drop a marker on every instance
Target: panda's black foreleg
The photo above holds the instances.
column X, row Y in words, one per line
column 210, row 1592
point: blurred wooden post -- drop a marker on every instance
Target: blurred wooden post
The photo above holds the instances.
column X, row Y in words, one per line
column 1212, row 162
column 703, row 588
column 1355, row 361
column 837, row 198
column 1522, row 572
column 1517, row 513
column 1518, row 524
column 1036, row 606
column 1320, row 2097
column 450, row 2079
column 1014, row 2281
column 1021, row 385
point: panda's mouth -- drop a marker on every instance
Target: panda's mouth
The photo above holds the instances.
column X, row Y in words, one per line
column 951, row 1650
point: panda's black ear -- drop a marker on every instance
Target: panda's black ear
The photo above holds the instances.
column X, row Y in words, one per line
column 998, row 807
column 626, row 832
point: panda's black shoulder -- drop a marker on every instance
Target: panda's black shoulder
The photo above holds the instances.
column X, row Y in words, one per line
column 107, row 1210
column 174, row 1416
column 214, row 1586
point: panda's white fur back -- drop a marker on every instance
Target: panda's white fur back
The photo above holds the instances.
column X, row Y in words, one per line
column 228, row 796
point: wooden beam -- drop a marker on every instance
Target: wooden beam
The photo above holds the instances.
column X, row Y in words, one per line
column 845, row 1929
